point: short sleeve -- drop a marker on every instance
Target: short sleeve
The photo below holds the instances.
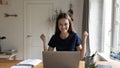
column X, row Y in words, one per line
column 78, row 40
column 52, row 42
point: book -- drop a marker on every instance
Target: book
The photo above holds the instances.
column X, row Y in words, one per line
column 21, row 67
column 29, row 63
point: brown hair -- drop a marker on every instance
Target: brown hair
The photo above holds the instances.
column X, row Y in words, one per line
column 66, row 16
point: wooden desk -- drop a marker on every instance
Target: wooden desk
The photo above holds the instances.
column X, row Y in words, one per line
column 9, row 63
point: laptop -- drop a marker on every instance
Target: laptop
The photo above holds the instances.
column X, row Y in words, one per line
column 61, row 59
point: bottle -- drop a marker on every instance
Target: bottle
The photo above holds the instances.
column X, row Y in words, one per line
column 94, row 54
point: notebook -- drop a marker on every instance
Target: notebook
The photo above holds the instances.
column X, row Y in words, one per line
column 61, row 59
column 29, row 63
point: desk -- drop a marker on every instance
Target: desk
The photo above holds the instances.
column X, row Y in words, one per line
column 9, row 57
column 9, row 63
column 113, row 63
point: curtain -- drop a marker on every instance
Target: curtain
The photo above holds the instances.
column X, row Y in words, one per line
column 85, row 24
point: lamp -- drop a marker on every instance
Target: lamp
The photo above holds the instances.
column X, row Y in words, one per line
column 1, row 38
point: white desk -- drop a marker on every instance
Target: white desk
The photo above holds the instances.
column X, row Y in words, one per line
column 113, row 63
column 9, row 57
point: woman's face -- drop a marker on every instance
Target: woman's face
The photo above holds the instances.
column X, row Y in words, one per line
column 63, row 25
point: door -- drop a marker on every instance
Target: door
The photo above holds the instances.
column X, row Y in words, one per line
column 36, row 15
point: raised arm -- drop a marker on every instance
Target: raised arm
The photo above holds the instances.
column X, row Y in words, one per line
column 43, row 38
column 82, row 48
column 84, row 39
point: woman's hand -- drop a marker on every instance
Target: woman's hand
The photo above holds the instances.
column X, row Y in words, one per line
column 83, row 51
column 43, row 38
column 85, row 35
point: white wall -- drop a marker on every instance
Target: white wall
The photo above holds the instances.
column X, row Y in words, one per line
column 12, row 27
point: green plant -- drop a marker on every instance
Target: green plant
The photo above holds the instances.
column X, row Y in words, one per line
column 91, row 65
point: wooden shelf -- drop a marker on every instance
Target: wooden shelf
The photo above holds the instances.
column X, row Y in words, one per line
column 9, row 57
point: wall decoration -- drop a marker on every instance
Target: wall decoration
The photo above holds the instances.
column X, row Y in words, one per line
column 53, row 17
column 10, row 15
column 70, row 11
column 3, row 2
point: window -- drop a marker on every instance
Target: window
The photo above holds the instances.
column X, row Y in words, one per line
column 115, row 47
column 111, row 28
column 104, row 27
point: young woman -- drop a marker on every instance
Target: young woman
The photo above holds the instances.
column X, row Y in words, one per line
column 65, row 37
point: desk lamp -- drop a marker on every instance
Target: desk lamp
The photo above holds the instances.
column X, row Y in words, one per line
column 1, row 38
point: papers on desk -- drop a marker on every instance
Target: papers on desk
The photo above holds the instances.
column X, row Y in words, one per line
column 29, row 63
column 21, row 67
column 103, row 66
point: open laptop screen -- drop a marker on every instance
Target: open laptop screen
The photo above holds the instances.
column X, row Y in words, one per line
column 61, row 59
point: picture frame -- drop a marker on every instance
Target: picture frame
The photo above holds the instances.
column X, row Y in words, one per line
column 3, row 2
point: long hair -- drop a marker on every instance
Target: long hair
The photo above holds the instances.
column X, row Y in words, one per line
column 66, row 16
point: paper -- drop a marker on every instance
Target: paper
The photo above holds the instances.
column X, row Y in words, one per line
column 29, row 63
column 104, row 66
column 21, row 67
column 33, row 62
